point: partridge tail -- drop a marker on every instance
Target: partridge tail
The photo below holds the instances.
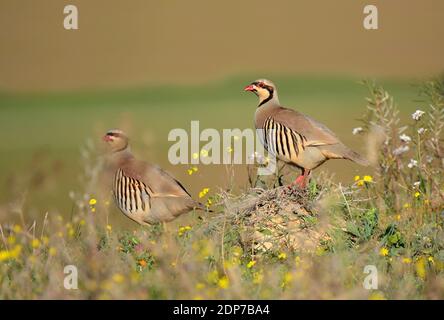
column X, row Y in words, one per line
column 341, row 151
column 356, row 157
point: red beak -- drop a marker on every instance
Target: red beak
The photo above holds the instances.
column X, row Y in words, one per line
column 107, row 138
column 249, row 88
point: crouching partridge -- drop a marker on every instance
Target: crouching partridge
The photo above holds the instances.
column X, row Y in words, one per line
column 294, row 137
column 144, row 192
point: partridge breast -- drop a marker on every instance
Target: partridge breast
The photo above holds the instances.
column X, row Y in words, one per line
column 289, row 145
column 132, row 196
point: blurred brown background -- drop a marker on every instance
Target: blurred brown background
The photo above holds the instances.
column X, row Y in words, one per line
column 127, row 43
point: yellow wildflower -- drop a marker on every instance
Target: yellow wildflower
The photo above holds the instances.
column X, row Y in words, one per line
column 365, row 179
column 35, row 243
column 258, row 277
column 282, row 256
column 223, row 282
column 17, row 228
column 118, row 278
column 4, row 255
column 32, row 259
column 288, row 277
column 195, row 155
column 431, row 259
column 406, row 260
column 229, row 149
column 320, row 251
column 383, row 252
column 10, row 254
column 398, row 217
column 16, row 251
column 200, row 286
column 109, row 228
column 297, row 261
column 52, row 251
column 92, row 201
column 406, row 205
column 93, row 209
column 11, row 240
column 182, row 230
column 376, row 296
column 417, row 194
column 251, row 264
column 45, row 240
column 82, row 222
column 192, row 170
column 213, row 277
column 204, row 192
column 420, row 267
column 71, row 232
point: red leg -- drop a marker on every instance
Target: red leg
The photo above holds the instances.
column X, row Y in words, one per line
column 303, row 179
column 299, row 180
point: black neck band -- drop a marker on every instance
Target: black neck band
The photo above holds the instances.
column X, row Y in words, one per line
column 270, row 91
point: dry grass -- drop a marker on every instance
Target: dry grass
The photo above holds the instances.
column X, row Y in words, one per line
column 266, row 243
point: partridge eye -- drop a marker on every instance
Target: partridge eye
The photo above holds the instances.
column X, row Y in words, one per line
column 260, row 84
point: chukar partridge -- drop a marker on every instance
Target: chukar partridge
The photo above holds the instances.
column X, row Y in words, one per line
column 294, row 137
column 144, row 192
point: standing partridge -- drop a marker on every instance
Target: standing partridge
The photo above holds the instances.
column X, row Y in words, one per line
column 144, row 192
column 294, row 137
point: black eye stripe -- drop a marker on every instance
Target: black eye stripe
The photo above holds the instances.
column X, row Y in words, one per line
column 114, row 134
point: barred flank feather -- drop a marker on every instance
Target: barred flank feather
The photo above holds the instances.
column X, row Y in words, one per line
column 131, row 195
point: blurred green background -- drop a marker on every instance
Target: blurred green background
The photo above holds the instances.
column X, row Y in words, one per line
column 151, row 66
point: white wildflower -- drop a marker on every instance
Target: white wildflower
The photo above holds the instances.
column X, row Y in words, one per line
column 417, row 115
column 416, row 184
column 401, row 150
column 357, row 130
column 429, row 159
column 405, row 138
column 412, row 163
column 421, row 130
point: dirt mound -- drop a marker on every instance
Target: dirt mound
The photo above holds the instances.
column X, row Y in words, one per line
column 284, row 218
